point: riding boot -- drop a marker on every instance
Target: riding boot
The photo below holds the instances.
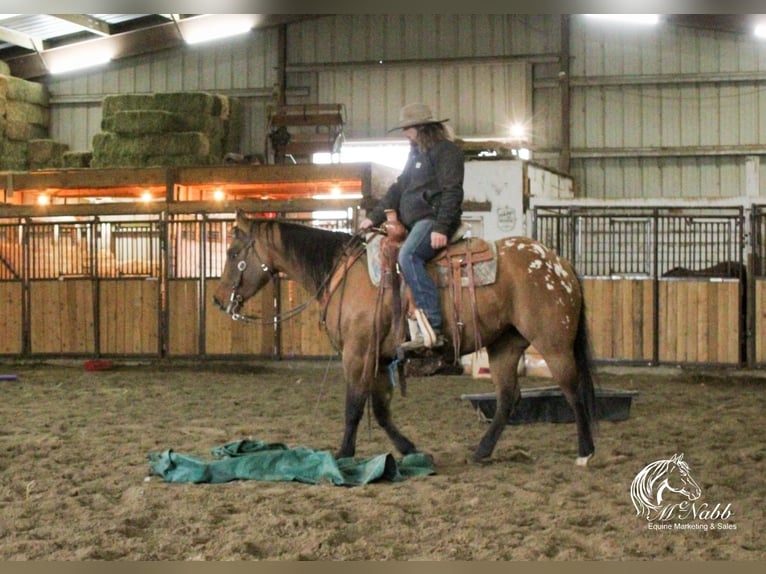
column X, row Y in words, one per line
column 422, row 335
column 431, row 337
column 416, row 337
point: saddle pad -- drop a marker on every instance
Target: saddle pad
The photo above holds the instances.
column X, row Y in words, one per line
column 485, row 272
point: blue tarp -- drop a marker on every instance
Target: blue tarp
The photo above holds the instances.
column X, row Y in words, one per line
column 258, row 460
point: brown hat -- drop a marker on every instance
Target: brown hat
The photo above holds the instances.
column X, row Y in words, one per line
column 415, row 115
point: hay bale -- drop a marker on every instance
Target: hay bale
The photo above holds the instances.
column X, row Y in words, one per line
column 174, row 143
column 187, row 103
column 75, row 159
column 221, row 106
column 5, row 69
column 124, row 102
column 135, row 122
column 27, row 113
column 45, row 153
column 13, row 155
column 22, row 131
column 21, row 90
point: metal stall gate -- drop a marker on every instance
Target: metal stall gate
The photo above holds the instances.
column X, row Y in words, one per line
column 12, row 300
column 142, row 285
column 662, row 284
column 758, row 284
column 87, row 285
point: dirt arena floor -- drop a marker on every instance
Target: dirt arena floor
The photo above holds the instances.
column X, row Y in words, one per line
column 74, row 446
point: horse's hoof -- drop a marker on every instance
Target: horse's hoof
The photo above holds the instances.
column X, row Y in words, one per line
column 477, row 458
column 583, row 460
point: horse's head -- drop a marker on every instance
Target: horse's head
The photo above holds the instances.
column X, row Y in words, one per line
column 680, row 480
column 248, row 268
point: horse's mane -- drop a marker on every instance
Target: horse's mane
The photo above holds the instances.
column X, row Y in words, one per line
column 315, row 250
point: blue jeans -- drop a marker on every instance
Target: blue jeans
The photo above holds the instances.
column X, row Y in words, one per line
column 413, row 254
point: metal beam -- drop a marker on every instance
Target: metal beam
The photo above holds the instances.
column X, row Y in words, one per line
column 678, row 151
column 86, row 21
column 18, row 39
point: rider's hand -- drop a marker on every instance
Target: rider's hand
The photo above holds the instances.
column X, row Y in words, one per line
column 366, row 223
column 438, row 240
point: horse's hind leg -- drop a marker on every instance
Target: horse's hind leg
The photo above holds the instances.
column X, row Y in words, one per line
column 504, row 355
column 381, row 408
column 578, row 394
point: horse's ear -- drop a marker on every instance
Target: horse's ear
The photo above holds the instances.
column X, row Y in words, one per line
column 243, row 222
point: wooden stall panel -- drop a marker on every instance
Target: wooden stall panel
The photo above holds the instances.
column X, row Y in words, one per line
column 760, row 321
column 303, row 336
column 699, row 322
column 128, row 315
column 10, row 318
column 183, row 317
column 61, row 316
column 620, row 318
column 223, row 336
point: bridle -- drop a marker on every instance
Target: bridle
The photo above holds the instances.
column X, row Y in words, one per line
column 236, row 300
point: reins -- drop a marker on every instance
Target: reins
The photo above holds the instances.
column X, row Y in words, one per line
column 236, row 301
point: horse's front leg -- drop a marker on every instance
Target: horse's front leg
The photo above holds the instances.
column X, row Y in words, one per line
column 382, row 394
column 361, row 384
column 357, row 392
column 356, row 398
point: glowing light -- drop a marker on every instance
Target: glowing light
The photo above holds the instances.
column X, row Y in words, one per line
column 337, row 196
column 147, row 196
column 760, row 31
column 518, row 131
column 43, row 199
column 209, row 31
column 219, row 195
column 79, row 61
column 648, row 19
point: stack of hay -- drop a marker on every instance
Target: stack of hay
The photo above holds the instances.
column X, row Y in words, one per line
column 170, row 129
column 24, row 121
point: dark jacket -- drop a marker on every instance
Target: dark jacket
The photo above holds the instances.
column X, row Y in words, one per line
column 429, row 187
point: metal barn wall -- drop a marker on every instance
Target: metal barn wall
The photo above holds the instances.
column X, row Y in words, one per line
column 242, row 67
column 666, row 112
column 661, row 112
column 475, row 69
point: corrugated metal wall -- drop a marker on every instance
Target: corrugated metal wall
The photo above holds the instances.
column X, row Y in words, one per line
column 663, row 112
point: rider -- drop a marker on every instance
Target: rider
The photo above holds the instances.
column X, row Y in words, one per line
column 428, row 198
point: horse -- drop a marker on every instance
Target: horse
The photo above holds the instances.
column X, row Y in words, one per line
column 536, row 299
column 724, row 269
column 649, row 486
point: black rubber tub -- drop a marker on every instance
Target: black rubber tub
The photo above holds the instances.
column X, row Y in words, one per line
column 547, row 404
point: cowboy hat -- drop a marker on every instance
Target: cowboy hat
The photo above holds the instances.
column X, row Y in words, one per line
column 415, row 115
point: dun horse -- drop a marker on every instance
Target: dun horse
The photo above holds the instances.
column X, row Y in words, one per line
column 536, row 300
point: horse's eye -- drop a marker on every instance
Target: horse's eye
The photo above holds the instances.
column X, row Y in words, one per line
column 232, row 254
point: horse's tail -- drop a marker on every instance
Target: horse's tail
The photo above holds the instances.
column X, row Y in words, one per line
column 586, row 392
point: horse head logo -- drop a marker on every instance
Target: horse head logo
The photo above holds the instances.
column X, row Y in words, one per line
column 658, row 478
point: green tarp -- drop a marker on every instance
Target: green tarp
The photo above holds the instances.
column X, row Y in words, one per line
column 258, row 460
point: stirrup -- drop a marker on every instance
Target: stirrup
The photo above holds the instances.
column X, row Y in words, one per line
column 429, row 336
